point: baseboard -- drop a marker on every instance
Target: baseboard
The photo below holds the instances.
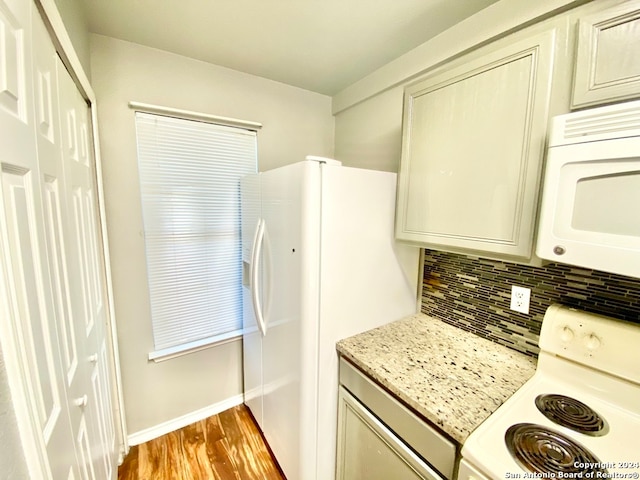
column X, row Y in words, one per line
column 177, row 423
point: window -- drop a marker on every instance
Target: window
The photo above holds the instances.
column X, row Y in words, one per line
column 189, row 181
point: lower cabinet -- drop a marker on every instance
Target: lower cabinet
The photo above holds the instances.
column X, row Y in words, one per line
column 369, row 450
column 379, row 439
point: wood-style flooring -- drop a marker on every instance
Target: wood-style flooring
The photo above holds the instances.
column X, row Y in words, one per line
column 227, row 446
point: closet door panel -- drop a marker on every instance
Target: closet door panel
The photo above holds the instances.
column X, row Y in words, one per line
column 33, row 351
column 16, row 121
column 56, row 218
column 87, row 284
column 51, row 265
column 73, row 354
column 33, row 304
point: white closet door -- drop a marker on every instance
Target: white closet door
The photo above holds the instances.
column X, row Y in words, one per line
column 32, row 324
column 86, row 279
column 51, row 270
column 73, row 355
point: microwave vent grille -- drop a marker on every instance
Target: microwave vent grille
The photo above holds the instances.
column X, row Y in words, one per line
column 601, row 124
column 615, row 121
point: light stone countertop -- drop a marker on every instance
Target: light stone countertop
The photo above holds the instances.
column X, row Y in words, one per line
column 452, row 377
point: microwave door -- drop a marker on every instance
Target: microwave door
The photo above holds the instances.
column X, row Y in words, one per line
column 590, row 214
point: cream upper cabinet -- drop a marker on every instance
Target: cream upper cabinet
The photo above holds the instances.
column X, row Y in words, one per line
column 472, row 150
column 608, row 56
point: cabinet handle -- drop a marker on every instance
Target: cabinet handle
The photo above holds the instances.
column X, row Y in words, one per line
column 93, row 358
column 81, row 402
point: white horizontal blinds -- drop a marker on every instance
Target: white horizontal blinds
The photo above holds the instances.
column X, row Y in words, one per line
column 189, row 179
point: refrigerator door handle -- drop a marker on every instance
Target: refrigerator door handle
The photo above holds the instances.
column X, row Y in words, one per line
column 255, row 276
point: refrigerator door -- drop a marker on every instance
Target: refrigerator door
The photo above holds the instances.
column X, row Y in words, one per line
column 288, row 194
column 251, row 337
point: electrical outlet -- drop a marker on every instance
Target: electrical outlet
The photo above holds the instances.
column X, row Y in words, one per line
column 520, row 297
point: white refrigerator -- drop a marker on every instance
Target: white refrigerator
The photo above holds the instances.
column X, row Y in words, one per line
column 320, row 263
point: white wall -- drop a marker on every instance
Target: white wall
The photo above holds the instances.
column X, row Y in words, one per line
column 76, row 24
column 369, row 134
column 296, row 123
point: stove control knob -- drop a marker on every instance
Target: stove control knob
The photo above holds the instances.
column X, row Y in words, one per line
column 566, row 334
column 591, row 341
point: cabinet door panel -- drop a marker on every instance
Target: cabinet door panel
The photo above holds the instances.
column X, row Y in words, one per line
column 368, row 450
column 472, row 151
column 608, row 59
column 479, row 192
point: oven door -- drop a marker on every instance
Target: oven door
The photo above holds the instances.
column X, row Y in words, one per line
column 590, row 213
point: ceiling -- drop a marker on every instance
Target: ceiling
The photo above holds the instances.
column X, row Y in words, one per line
column 319, row 45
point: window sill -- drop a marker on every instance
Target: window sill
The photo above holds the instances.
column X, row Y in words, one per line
column 192, row 347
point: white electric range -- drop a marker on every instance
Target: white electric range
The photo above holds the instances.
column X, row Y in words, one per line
column 577, row 417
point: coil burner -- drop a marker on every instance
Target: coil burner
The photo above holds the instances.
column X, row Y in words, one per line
column 571, row 413
column 579, row 406
column 541, row 450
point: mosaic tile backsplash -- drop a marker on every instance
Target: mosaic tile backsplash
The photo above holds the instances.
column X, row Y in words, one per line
column 475, row 293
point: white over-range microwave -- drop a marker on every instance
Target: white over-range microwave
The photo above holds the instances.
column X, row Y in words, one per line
column 590, row 211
